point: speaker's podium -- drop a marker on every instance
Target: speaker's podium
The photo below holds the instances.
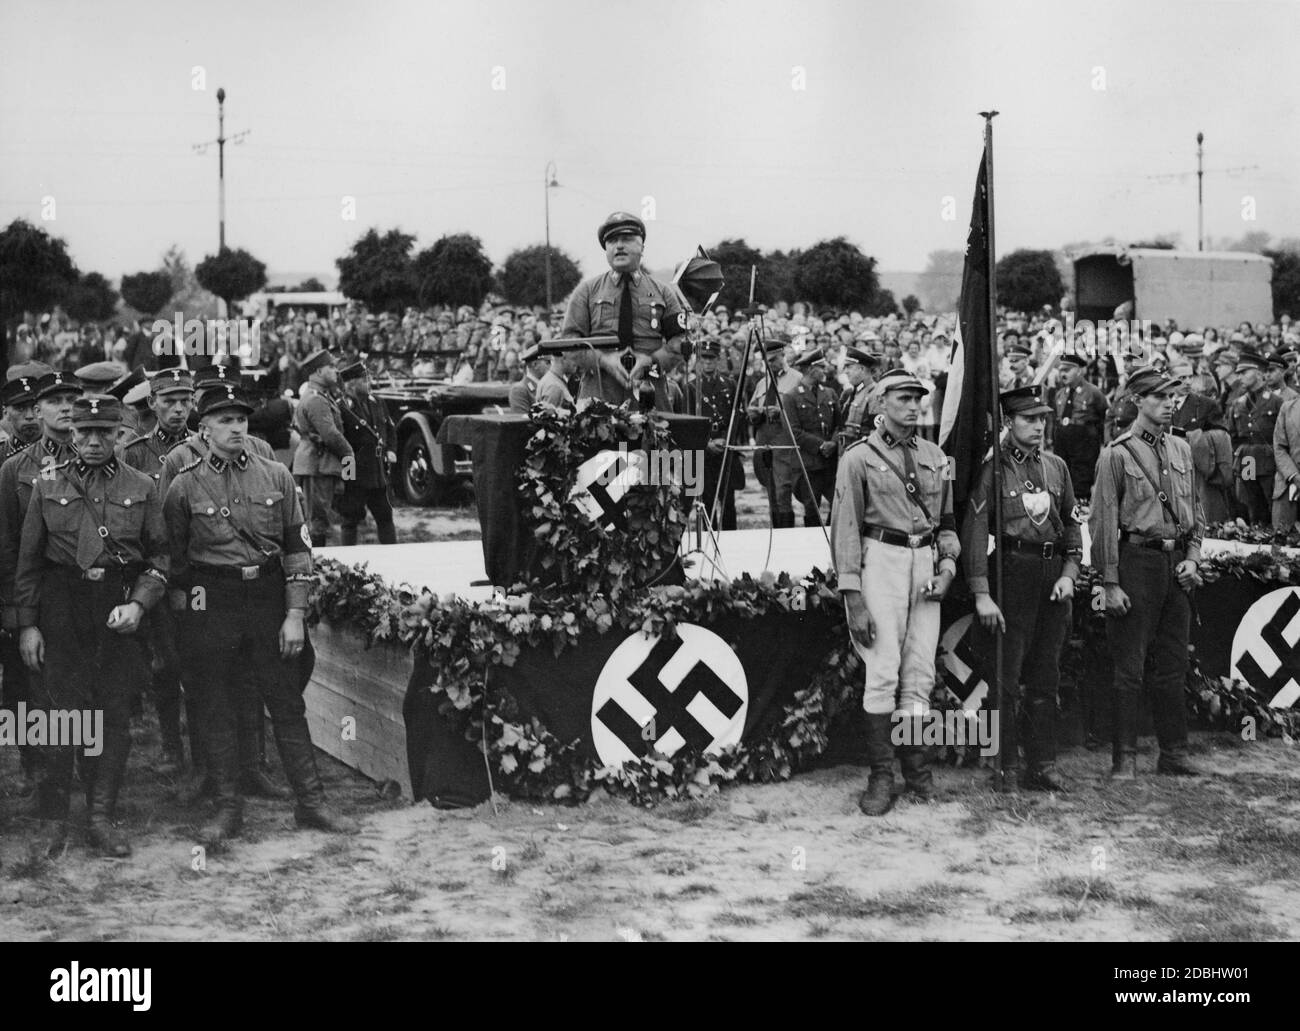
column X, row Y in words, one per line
column 497, row 444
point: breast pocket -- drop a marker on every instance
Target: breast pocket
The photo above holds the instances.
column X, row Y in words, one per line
column 931, row 474
column 264, row 508
column 1180, row 476
column 62, row 514
column 208, row 525
column 125, row 516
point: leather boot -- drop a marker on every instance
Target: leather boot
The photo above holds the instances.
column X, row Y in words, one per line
column 387, row 533
column 253, row 778
column 348, row 535
column 1040, row 748
column 1007, row 780
column 1177, row 765
column 1170, row 717
column 299, row 757
column 101, row 802
column 53, row 807
column 915, row 760
column 169, row 730
column 222, row 749
column 1124, row 751
column 879, row 796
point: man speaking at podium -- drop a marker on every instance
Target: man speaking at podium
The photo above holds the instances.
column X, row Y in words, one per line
column 646, row 316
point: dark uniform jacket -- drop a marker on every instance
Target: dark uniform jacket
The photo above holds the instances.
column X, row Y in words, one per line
column 1022, row 473
column 859, row 406
column 323, row 446
column 148, row 452
column 814, row 418
column 18, row 478
column 1252, row 417
column 370, row 432
column 716, row 393
column 523, row 393
column 1082, row 405
column 86, row 517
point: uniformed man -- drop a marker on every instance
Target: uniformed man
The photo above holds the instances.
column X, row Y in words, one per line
column 814, row 420
column 93, row 561
column 238, row 541
column 764, row 411
column 171, row 400
column 648, row 317
column 273, row 420
column 20, row 425
column 1042, row 548
column 1017, row 372
column 1079, row 409
column 323, row 450
column 524, row 392
column 859, row 404
column 1252, row 417
column 134, row 391
column 553, row 387
column 893, row 509
column 710, row 394
column 370, row 432
column 97, row 377
column 1146, row 527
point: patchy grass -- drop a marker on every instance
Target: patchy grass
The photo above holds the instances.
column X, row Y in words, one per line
column 451, row 886
column 377, row 932
column 730, row 918
column 1216, row 913
column 694, row 891
column 904, row 905
column 531, row 852
column 691, row 811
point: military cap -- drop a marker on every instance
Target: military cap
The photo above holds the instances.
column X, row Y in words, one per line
column 101, row 374
column 1026, row 400
column 620, row 222
column 137, row 395
column 215, row 375
column 774, row 345
column 710, row 349
column 1017, row 350
column 315, row 361
column 1276, row 360
column 30, row 370
column 1073, row 358
column 253, row 381
column 353, row 370
column 56, row 382
column 127, row 383
column 18, row 392
column 222, row 396
column 1145, row 380
column 92, row 411
column 1252, row 360
column 859, row 357
column 900, row 379
column 171, row 381
column 530, row 353
column 810, row 358
column 1225, row 357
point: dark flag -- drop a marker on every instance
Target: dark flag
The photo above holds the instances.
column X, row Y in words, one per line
column 966, row 432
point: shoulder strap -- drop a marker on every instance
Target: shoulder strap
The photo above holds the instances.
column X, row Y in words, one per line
column 225, row 513
column 908, row 485
column 1164, row 498
column 111, row 543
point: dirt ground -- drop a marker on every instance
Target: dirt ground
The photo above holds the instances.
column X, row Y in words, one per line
column 1165, row 859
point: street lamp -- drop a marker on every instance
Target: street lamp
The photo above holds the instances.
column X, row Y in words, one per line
column 548, row 180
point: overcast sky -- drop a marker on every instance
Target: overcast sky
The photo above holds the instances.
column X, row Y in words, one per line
column 693, row 104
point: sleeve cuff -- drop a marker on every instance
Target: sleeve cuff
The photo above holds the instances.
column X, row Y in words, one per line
column 295, row 594
column 24, row 617
column 979, row 584
column 850, row 582
column 1110, row 573
column 148, row 591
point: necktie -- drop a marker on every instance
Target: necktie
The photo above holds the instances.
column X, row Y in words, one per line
column 625, row 313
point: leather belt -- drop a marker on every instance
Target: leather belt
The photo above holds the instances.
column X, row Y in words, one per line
column 98, row 574
column 237, row 572
column 898, row 537
column 1155, row 543
column 1046, row 549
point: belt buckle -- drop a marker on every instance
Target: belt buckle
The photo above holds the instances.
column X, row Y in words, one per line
column 1049, row 549
column 914, row 540
column 250, row 572
column 96, row 574
column 1167, row 545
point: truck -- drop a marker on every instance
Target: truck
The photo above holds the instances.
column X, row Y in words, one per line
column 1194, row 288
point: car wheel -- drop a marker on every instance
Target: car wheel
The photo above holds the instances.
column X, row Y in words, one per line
column 420, row 483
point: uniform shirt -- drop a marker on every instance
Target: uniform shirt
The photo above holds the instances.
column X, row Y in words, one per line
column 1080, row 405
column 322, row 446
column 18, row 477
column 594, row 309
column 193, row 447
column 858, row 409
column 814, row 417
column 1022, row 472
column 523, row 393
column 1253, row 416
column 867, row 492
column 553, row 390
column 1286, row 446
column 67, row 529
column 370, row 432
column 147, row 453
column 716, row 392
column 1124, row 500
column 766, row 396
column 262, row 500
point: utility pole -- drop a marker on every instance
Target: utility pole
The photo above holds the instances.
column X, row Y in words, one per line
column 221, row 168
column 548, row 180
column 1200, row 194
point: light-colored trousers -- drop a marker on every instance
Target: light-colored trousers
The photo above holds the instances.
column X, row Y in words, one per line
column 900, row 663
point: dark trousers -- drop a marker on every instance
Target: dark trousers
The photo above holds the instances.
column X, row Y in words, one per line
column 713, row 466
column 318, row 505
column 88, row 667
column 17, row 688
column 1149, row 647
column 1031, row 655
column 1079, row 447
column 819, row 486
column 352, row 505
column 765, row 473
column 230, row 655
column 165, row 680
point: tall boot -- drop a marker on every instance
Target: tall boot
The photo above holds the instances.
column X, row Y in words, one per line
column 915, row 760
column 253, row 778
column 53, row 808
column 1008, row 748
column 101, row 798
column 1170, row 717
column 1125, row 748
column 348, row 535
column 879, row 796
column 387, row 532
column 1040, row 747
column 299, row 758
column 167, row 700
column 222, row 751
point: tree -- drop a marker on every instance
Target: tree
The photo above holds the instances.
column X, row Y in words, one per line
column 90, row 299
column 453, row 271
column 1027, row 280
column 523, row 276
column 232, row 275
column 1286, row 282
column 940, row 284
column 308, row 286
column 911, row 305
column 736, row 258
column 837, row 274
column 778, row 270
column 881, row 304
column 378, row 270
column 35, row 271
column 147, row 292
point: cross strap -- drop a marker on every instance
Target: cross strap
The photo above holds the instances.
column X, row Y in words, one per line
column 1160, row 491
column 908, row 485
column 111, row 544
column 224, row 511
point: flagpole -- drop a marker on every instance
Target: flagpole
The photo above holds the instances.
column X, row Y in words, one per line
column 994, row 411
